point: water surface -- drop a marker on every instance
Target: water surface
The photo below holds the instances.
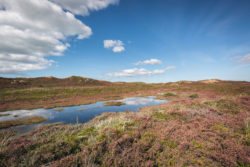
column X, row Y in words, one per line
column 80, row 113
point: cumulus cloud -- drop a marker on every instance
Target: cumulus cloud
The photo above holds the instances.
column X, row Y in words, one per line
column 118, row 49
column 140, row 72
column 116, row 45
column 17, row 63
column 32, row 30
column 243, row 59
column 83, row 7
column 151, row 62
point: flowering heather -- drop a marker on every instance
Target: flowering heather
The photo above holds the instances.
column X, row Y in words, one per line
column 211, row 129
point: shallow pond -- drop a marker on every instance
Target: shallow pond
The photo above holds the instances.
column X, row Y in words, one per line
column 81, row 113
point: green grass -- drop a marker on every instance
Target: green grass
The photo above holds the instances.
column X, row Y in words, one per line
column 171, row 144
column 169, row 94
column 196, row 144
column 148, row 138
column 23, row 121
column 225, row 106
column 159, row 116
column 184, row 132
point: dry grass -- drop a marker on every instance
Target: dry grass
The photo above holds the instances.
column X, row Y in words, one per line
column 23, row 121
column 212, row 130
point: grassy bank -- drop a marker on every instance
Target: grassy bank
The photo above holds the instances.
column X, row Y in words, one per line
column 58, row 96
column 204, row 125
column 50, row 97
column 3, row 115
column 23, row 121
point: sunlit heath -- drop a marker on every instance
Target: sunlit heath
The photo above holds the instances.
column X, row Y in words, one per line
column 128, row 83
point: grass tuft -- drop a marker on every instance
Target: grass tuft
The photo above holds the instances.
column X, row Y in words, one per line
column 193, row 96
column 169, row 94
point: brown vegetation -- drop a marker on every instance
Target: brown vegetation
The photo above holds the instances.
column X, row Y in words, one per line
column 3, row 115
column 210, row 128
column 23, row 121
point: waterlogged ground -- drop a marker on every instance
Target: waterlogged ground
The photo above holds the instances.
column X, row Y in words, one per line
column 80, row 114
column 206, row 123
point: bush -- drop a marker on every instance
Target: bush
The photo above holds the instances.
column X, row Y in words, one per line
column 169, row 94
column 193, row 96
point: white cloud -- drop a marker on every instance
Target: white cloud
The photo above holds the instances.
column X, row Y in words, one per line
column 151, row 62
column 83, row 7
column 112, row 43
column 118, row 49
column 32, row 30
column 140, row 72
column 243, row 59
column 116, row 45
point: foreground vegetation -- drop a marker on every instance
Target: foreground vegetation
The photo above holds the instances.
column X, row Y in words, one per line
column 23, row 121
column 204, row 124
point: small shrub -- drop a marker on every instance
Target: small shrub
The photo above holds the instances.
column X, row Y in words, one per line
column 148, row 137
column 169, row 143
column 175, row 115
column 87, row 132
column 196, row 161
column 169, row 94
column 226, row 106
column 74, row 142
column 197, row 145
column 171, row 162
column 193, row 96
column 220, row 127
column 101, row 137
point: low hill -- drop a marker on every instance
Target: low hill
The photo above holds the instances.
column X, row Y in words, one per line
column 202, row 124
column 49, row 82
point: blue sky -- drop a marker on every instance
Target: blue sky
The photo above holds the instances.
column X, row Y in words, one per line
column 188, row 39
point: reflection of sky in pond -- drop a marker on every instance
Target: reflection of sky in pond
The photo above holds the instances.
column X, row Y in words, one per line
column 81, row 113
column 26, row 113
column 140, row 100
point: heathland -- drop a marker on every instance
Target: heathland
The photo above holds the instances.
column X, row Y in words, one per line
column 206, row 123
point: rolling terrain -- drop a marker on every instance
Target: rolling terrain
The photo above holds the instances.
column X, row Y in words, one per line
column 206, row 123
